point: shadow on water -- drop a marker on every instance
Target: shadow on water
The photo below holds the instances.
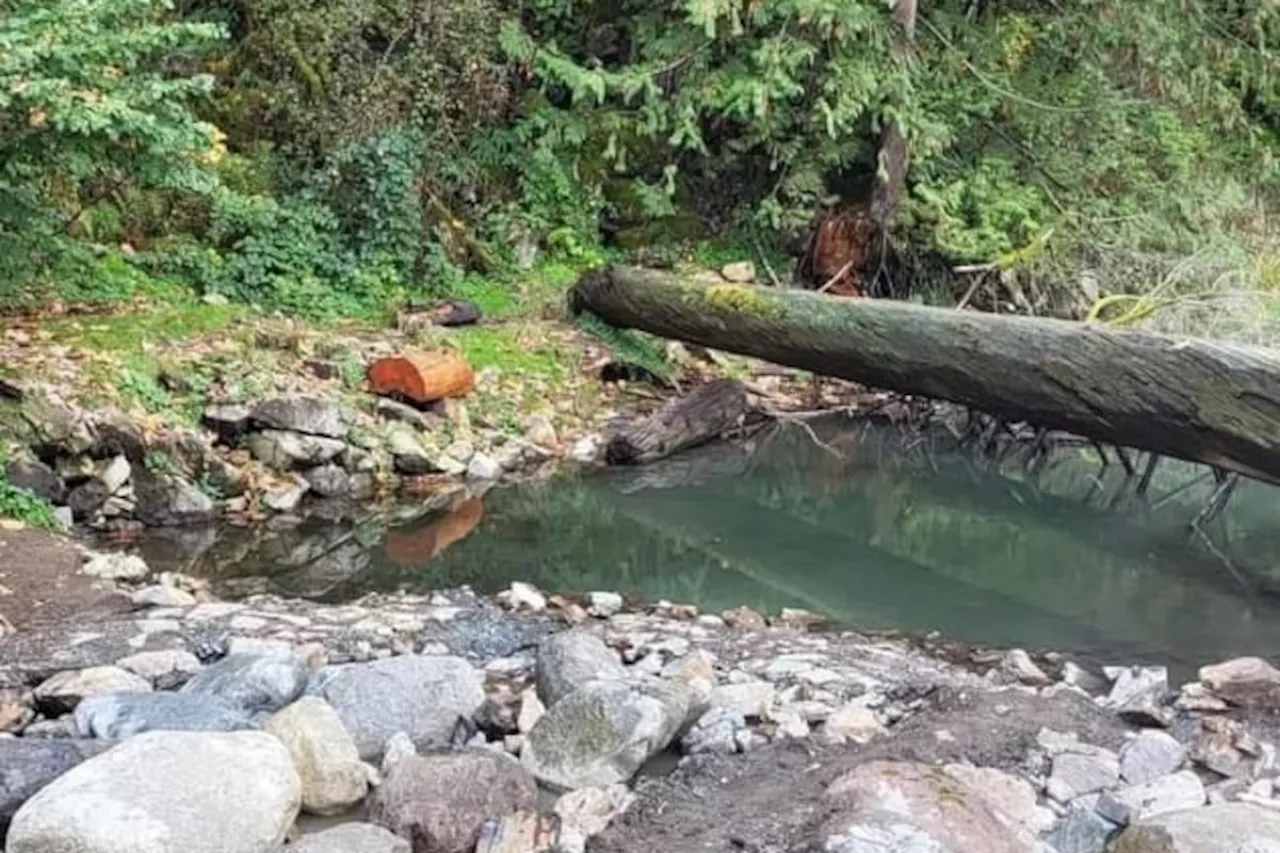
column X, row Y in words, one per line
column 888, row 534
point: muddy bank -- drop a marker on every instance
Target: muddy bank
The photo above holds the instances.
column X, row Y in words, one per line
column 521, row 723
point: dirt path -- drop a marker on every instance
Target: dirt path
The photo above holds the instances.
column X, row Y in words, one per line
column 40, row 582
column 770, row 800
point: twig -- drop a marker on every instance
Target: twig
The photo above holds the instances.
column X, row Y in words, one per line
column 773, row 277
column 804, row 425
column 844, row 269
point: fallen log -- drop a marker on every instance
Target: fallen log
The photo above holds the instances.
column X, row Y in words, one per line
column 1196, row 400
column 703, row 415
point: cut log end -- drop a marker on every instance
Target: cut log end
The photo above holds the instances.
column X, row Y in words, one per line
column 703, row 415
column 422, row 378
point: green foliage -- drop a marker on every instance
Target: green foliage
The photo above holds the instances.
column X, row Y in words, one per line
column 629, row 345
column 22, row 505
column 88, row 108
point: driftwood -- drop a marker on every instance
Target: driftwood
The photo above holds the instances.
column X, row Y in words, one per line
column 703, row 415
column 1196, row 400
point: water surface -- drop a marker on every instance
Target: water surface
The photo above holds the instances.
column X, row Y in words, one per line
column 893, row 532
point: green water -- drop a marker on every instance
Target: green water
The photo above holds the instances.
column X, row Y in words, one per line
column 897, row 533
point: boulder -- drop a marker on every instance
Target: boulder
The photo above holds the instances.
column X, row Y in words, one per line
column 420, row 695
column 350, row 838
column 252, row 682
column 917, row 808
column 286, row 497
column 570, row 659
column 306, row 415
column 482, row 466
column 37, row 478
column 1150, row 755
column 117, row 434
column 120, row 715
column 1248, row 682
column 28, row 764
column 165, row 792
column 1222, row 828
column 62, row 692
column 1181, row 790
column 601, row 604
column 17, row 706
column 286, row 451
column 328, row 763
column 86, row 499
column 603, row 732
column 1082, row 830
column 441, row 801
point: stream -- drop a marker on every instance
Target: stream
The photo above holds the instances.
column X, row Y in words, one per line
column 894, row 532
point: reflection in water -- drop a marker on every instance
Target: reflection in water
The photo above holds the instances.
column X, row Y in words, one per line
column 888, row 534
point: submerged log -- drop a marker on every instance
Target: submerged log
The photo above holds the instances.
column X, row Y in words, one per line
column 703, row 415
column 1196, row 400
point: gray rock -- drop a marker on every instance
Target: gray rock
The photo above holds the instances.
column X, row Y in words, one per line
column 422, row 696
column 286, row 451
column 116, row 434
column 166, row 668
column 1150, row 755
column 1075, row 775
column 160, row 595
column 893, row 806
column 740, row 272
column 483, row 467
column 328, row 763
column 115, row 473
column 1018, row 665
column 37, row 478
column 286, row 498
column 117, row 567
column 17, row 706
column 62, row 692
column 1082, row 830
column 251, row 682
column 164, row 501
column 398, row 747
column 1181, row 790
column 350, row 838
column 120, row 715
column 328, row 481
column 1138, row 693
column 751, row 699
column 603, row 732
column 86, row 499
column 1248, row 682
column 408, row 454
column 307, row 415
column 396, row 411
column 604, row 604
column 164, row 792
column 570, row 659
column 28, row 764
column 441, row 801
column 1222, row 828
column 715, row 731
column 589, row 811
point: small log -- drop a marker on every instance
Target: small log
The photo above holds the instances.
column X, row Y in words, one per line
column 703, row 415
column 423, row 377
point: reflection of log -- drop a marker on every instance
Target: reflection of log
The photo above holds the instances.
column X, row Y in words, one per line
column 414, row 546
column 701, row 416
column 1206, row 402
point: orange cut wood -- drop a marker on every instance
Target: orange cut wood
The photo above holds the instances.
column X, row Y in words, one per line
column 422, row 377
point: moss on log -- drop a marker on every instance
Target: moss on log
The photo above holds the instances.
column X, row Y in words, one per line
column 1193, row 399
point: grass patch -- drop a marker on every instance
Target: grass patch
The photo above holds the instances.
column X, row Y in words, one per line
column 22, row 505
column 512, row 352
column 133, row 333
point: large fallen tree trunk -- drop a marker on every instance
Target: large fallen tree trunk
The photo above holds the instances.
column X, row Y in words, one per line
column 1196, row 400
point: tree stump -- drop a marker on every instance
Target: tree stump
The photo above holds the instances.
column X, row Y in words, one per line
column 701, row 416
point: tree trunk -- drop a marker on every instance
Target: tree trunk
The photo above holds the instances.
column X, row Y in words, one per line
column 703, row 415
column 1206, row 402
